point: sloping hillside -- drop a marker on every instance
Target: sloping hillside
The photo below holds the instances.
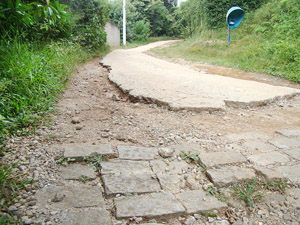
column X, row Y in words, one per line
column 267, row 41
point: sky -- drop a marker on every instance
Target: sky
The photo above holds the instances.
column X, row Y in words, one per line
column 180, row 1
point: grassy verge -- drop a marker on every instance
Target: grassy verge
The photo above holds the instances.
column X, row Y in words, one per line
column 267, row 41
column 32, row 75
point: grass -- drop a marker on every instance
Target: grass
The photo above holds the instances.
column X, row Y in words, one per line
column 267, row 41
column 192, row 157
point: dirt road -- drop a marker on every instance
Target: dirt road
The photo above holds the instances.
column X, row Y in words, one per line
column 93, row 111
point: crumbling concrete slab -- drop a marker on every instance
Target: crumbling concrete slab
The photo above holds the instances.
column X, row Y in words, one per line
column 212, row 159
column 197, row 201
column 285, row 143
column 63, row 197
column 125, row 166
column 130, row 183
column 181, row 87
column 78, row 152
column 88, row 217
column 268, row 158
column 148, row 205
column 77, row 172
column 289, row 133
column 173, row 167
column 171, row 182
column 291, row 172
column 225, row 176
column 269, row 174
column 137, row 153
column 259, row 146
column 295, row 153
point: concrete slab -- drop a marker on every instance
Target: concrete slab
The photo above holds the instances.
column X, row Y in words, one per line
column 63, row 197
column 137, row 153
column 212, row 159
column 268, row 158
column 291, row 172
column 148, row 205
column 289, row 133
column 125, row 166
column 90, row 217
column 181, row 87
column 245, row 136
column 173, row 167
column 225, row 176
column 171, row 182
column 285, row 143
column 129, row 183
column 259, row 145
column 269, row 174
column 197, row 201
column 80, row 151
column 77, row 171
column 295, row 153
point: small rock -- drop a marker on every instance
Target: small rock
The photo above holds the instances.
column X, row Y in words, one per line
column 26, row 220
column 58, row 197
column 166, row 152
column 78, row 127
column 75, row 120
column 115, row 97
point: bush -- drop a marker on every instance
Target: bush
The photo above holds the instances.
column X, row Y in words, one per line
column 141, row 30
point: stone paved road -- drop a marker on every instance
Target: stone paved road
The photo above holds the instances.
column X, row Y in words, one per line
column 148, row 183
column 180, row 87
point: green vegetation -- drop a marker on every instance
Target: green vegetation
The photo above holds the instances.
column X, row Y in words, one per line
column 267, row 41
column 145, row 18
column 192, row 157
column 252, row 191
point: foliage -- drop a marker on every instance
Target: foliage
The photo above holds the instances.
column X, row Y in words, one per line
column 36, row 20
column 190, row 157
column 141, row 30
column 89, row 18
column 159, row 15
column 31, row 77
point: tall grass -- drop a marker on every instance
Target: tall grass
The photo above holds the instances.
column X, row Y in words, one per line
column 31, row 77
column 267, row 41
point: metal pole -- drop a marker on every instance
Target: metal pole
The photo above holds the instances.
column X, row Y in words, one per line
column 124, row 22
column 228, row 36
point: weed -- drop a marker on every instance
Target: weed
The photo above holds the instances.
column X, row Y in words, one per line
column 213, row 191
column 278, row 185
column 190, row 157
column 209, row 213
column 9, row 220
column 83, row 179
column 95, row 161
column 65, row 161
column 247, row 191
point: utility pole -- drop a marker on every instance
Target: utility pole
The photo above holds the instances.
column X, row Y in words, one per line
column 124, row 22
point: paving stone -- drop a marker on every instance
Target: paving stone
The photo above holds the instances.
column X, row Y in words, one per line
column 171, row 182
column 291, row 172
column 80, row 151
column 77, row 171
column 269, row 174
column 259, row 145
column 285, row 143
column 148, row 205
column 76, row 197
column 294, row 197
column 224, row 176
column 173, row 167
column 88, row 217
column 289, row 133
column 294, row 153
column 197, row 201
column 212, row 159
column 137, row 153
column 130, row 183
column 268, row 158
column 125, row 166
